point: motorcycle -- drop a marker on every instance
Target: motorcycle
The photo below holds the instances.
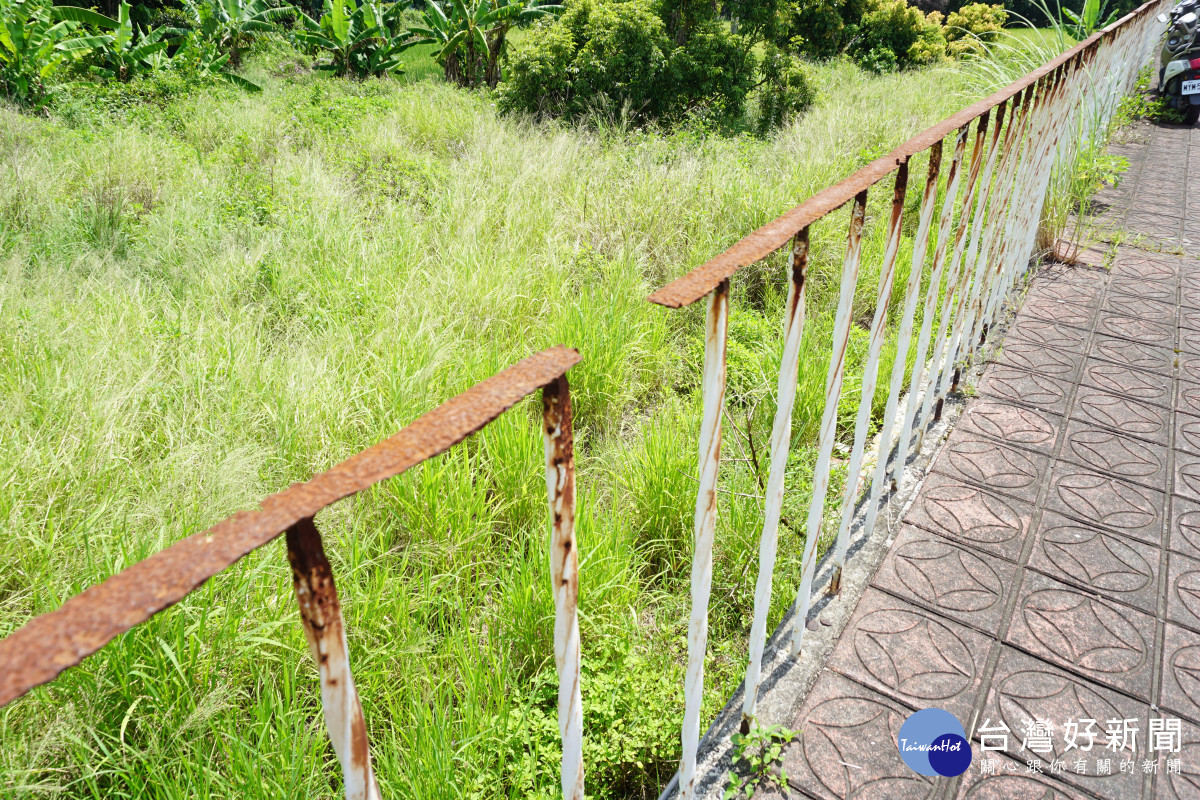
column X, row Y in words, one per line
column 1179, row 61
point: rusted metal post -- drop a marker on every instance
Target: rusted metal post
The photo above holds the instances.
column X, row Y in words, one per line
column 916, row 269
column 833, row 393
column 883, row 299
column 716, row 326
column 321, row 615
column 559, row 440
column 781, row 439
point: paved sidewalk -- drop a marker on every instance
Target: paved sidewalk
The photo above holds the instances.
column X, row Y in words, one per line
column 1050, row 565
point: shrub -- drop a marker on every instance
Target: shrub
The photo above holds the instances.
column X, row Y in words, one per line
column 931, row 46
column 972, row 26
column 598, row 54
column 823, row 28
column 709, row 70
column 616, row 55
column 787, row 89
column 893, row 34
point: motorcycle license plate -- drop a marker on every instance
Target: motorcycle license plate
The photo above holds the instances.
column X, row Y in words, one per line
column 1191, row 87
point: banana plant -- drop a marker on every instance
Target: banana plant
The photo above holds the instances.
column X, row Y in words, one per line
column 1088, row 21
column 357, row 39
column 35, row 40
column 233, row 24
column 200, row 56
column 471, row 35
column 126, row 50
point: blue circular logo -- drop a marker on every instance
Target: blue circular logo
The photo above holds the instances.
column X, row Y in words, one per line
column 933, row 742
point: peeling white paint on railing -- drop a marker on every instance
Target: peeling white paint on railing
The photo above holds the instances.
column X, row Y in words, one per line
column 564, row 578
column 781, row 440
column 713, row 388
column 833, row 393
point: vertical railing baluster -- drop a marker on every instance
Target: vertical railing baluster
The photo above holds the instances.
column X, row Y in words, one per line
column 1023, row 147
column 833, row 393
column 915, row 383
column 781, row 439
column 321, row 616
column 994, row 222
column 967, row 299
column 956, row 284
column 916, row 269
column 1019, row 237
column 715, row 329
column 559, row 439
column 862, row 421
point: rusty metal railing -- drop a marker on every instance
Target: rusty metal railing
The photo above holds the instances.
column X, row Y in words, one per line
column 45, row 646
column 972, row 251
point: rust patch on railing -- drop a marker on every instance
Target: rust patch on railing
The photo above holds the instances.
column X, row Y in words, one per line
column 321, row 616
column 52, row 642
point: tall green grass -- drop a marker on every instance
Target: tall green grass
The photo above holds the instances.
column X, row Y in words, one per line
column 206, row 299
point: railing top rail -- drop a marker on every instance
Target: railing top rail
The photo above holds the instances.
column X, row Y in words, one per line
column 48, row 644
column 761, row 243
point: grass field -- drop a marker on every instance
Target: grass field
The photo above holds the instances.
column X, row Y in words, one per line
column 211, row 296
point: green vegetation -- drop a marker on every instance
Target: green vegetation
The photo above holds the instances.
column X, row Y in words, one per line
column 211, row 295
column 354, row 39
column 758, row 759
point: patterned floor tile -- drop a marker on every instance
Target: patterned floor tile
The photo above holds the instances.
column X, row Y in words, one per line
column 1038, row 359
column 959, row 583
column 1184, row 531
column 1131, row 306
column 912, row 655
column 1025, row 689
column 1061, row 337
column 1180, row 693
column 1121, row 414
column 970, row 516
column 1097, row 499
column 1189, row 341
column 1057, row 311
column 1150, row 290
column 1183, row 590
column 1011, row 780
column 1111, row 453
column 1110, row 644
column 1011, row 424
column 847, row 745
column 1146, row 387
column 994, row 466
column 1136, row 329
column 1184, row 782
column 1018, row 386
column 1187, row 433
column 1187, row 475
column 1064, row 290
column 1115, row 567
column 1157, row 360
